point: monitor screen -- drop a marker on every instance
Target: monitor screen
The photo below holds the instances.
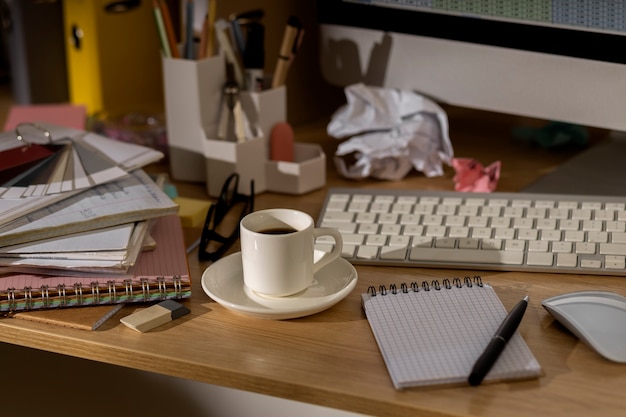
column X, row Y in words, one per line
column 559, row 60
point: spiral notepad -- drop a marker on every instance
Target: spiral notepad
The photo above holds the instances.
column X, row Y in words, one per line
column 432, row 333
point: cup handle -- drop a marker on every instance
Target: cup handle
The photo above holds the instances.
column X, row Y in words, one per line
column 332, row 255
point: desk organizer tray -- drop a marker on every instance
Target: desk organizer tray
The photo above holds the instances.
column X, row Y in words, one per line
column 306, row 173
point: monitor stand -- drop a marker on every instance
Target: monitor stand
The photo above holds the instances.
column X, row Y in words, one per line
column 600, row 170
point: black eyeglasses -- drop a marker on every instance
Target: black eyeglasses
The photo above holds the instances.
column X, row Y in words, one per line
column 219, row 234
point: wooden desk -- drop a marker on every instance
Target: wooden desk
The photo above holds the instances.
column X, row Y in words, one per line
column 331, row 358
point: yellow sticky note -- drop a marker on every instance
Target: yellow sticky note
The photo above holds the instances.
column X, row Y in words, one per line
column 191, row 211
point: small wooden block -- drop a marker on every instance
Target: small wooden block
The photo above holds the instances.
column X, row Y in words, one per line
column 154, row 316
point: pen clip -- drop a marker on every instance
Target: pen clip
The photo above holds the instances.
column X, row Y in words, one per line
column 297, row 41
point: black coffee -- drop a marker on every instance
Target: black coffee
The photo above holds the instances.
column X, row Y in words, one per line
column 278, row 230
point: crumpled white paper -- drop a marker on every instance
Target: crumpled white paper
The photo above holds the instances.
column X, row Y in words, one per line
column 393, row 131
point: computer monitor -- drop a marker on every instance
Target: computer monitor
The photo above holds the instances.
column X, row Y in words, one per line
column 558, row 60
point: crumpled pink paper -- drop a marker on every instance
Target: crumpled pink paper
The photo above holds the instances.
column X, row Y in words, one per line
column 471, row 176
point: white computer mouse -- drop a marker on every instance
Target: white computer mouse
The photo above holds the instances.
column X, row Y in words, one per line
column 598, row 318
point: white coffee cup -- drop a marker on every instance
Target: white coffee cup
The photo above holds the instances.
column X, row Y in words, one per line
column 277, row 247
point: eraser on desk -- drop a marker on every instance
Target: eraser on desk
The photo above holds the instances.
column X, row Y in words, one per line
column 281, row 142
column 154, row 316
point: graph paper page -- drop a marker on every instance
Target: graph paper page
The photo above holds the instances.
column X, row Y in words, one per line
column 434, row 336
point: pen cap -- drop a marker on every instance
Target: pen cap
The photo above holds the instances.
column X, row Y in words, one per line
column 254, row 54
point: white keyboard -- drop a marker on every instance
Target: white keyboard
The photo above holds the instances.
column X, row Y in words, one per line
column 496, row 231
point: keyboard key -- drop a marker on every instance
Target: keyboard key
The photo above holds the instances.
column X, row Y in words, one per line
column 423, row 241
column 368, row 228
column 469, row 243
column 562, row 247
column 590, row 263
column 352, row 238
column 411, row 230
column 336, row 205
column 540, row 259
column 337, row 217
column 342, row 227
column 585, row 248
column 390, row 229
column 492, row 244
column 367, row 252
column 445, row 242
column 366, row 217
column 567, row 260
column 435, row 231
column 376, row 240
column 618, row 237
column 467, row 256
column 528, row 234
column 348, row 251
column 392, row 253
column 399, row 241
column 615, row 262
column 613, row 248
column 539, row 246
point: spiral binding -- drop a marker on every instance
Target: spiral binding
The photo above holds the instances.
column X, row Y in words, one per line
column 425, row 286
column 111, row 292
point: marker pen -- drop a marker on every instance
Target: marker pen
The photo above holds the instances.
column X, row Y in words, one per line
column 254, row 56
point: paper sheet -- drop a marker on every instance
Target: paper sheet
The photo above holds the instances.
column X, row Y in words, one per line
column 135, row 197
column 392, row 132
column 472, row 176
column 124, row 157
column 99, row 158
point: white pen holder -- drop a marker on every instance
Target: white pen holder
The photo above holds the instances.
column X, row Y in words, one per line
column 193, row 102
column 193, row 90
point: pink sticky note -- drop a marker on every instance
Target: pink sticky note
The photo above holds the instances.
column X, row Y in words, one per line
column 62, row 114
column 471, row 176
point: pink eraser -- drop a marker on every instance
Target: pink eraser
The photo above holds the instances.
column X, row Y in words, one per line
column 156, row 315
column 281, row 142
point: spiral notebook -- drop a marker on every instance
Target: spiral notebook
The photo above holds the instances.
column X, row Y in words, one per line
column 159, row 274
column 432, row 333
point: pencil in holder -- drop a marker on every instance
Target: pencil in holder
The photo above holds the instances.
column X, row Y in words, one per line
column 264, row 109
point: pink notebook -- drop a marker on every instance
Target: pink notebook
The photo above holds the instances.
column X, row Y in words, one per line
column 162, row 273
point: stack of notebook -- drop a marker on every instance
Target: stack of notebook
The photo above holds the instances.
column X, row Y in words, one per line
column 81, row 224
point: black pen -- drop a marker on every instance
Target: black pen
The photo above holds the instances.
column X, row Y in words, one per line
column 498, row 343
column 254, row 56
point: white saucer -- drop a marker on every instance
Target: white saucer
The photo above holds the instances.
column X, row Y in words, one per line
column 223, row 282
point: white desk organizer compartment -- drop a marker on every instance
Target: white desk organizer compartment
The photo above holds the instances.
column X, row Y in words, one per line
column 245, row 158
column 193, row 90
column 263, row 109
column 306, row 173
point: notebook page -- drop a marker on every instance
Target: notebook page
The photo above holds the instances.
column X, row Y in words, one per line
column 133, row 198
column 434, row 337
